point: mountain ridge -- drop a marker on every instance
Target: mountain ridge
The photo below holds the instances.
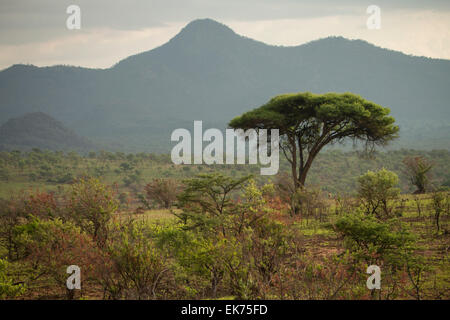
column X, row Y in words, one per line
column 208, row 72
column 211, row 22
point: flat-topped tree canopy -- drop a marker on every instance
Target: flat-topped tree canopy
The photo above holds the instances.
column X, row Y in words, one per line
column 307, row 122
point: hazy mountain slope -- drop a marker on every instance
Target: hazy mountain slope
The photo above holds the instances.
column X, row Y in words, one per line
column 39, row 130
column 207, row 72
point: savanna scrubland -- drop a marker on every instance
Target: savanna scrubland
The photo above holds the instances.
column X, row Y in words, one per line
column 140, row 227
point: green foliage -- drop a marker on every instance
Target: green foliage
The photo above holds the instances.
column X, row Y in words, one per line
column 333, row 170
column 91, row 205
column 441, row 201
column 162, row 191
column 11, row 214
column 132, row 267
column 418, row 171
column 206, row 201
column 19, row 210
column 446, row 182
column 376, row 191
column 234, row 236
column 253, row 196
column 308, row 122
column 4, row 174
column 374, row 241
column 53, row 245
column 228, row 242
column 7, row 287
column 309, row 201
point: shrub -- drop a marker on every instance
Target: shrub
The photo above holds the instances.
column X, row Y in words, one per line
column 162, row 191
column 207, row 202
column 8, row 289
column 373, row 241
column 91, row 205
column 132, row 266
column 376, row 191
column 310, row 202
column 53, row 245
column 15, row 211
column 440, row 203
column 418, row 170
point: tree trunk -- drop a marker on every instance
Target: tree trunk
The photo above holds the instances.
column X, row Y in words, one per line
column 70, row 294
column 437, row 220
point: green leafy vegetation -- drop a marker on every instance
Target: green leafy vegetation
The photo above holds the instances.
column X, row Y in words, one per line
column 219, row 236
column 140, row 227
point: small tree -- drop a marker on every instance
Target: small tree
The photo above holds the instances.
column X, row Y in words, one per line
column 418, row 202
column 91, row 205
column 162, row 191
column 206, row 201
column 53, row 245
column 132, row 266
column 418, row 170
column 251, row 207
column 439, row 204
column 376, row 190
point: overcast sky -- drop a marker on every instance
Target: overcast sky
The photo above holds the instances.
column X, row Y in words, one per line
column 35, row 32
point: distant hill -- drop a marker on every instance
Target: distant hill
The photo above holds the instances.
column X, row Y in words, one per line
column 39, row 130
column 207, row 72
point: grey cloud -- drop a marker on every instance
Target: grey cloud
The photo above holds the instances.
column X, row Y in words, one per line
column 136, row 14
column 37, row 21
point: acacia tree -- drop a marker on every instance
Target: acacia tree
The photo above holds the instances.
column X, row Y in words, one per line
column 308, row 122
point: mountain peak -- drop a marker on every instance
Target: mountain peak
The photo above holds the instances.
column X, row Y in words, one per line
column 204, row 29
column 206, row 25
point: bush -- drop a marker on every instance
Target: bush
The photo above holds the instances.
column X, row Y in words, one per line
column 310, row 202
column 373, row 241
column 377, row 190
column 7, row 288
column 440, row 203
column 207, row 202
column 418, row 170
column 132, row 266
column 162, row 191
column 91, row 205
column 53, row 245
column 15, row 211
